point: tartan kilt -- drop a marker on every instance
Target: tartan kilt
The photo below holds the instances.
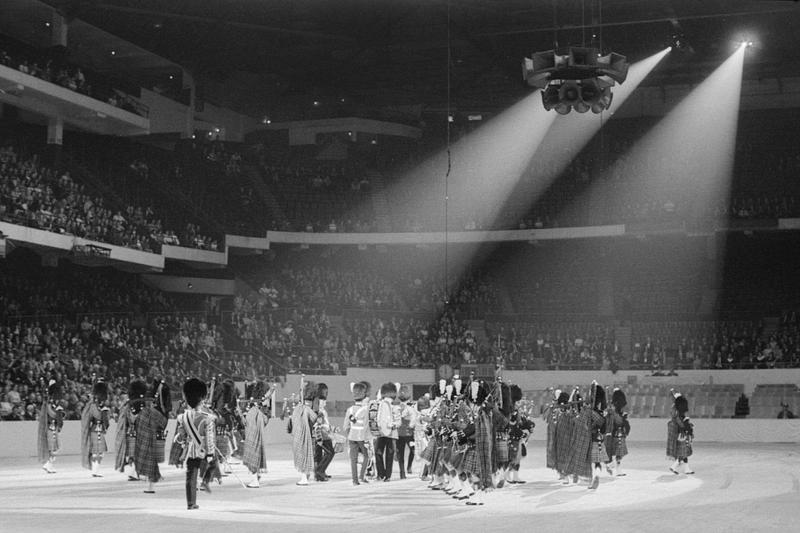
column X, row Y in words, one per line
column 457, row 456
column 130, row 444
column 684, row 449
column 53, row 441
column 582, row 442
column 427, row 453
column 469, row 464
column 224, row 445
column 97, row 443
column 552, row 430
column 176, row 454
column 597, row 453
column 672, row 439
column 159, row 448
column 617, row 446
column 563, row 446
column 501, row 449
column 253, row 457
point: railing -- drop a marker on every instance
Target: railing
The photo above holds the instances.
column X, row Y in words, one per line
column 35, row 317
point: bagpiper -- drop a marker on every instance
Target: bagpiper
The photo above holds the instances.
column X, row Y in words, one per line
column 617, row 430
column 225, row 408
column 520, row 427
column 151, row 434
column 596, row 420
column 125, row 440
column 51, row 420
column 680, row 434
column 255, row 432
column 301, row 423
column 94, row 424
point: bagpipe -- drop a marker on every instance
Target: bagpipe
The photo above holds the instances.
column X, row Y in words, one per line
column 58, row 415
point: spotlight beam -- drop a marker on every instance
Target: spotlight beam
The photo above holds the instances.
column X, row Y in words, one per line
column 687, row 158
column 570, row 133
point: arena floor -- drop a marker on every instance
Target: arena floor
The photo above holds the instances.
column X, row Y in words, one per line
column 736, row 488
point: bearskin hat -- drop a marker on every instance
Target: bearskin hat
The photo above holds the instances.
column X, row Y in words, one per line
column 194, row 391
column 600, row 403
column 229, row 392
column 256, row 389
column 618, row 399
column 137, row 389
column 681, row 404
column 563, row 399
column 433, row 390
column 507, row 403
column 387, row 389
column 100, row 391
column 54, row 390
column 322, row 391
column 516, row 393
column 309, row 391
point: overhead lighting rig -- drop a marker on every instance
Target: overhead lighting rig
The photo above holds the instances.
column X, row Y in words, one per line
column 580, row 80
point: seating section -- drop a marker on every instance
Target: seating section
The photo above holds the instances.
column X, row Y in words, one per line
column 767, row 400
column 655, row 400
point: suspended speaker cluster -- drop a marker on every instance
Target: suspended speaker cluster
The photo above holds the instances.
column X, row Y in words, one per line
column 580, row 80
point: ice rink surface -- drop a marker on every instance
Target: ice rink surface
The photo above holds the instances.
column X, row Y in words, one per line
column 752, row 487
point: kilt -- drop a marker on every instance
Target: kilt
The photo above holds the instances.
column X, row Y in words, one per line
column 469, row 464
column 457, row 457
column 427, row 453
column 581, row 443
column 176, row 454
column 617, row 446
column 563, row 445
column 150, row 427
column 677, row 446
column 552, row 430
column 53, row 441
column 224, row 444
column 597, row 453
column 501, row 448
column 97, row 443
column 159, row 449
column 130, row 444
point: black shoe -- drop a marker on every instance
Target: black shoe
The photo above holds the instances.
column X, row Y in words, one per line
column 192, row 507
column 204, row 486
column 402, row 475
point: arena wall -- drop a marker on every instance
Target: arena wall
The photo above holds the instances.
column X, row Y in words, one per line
column 531, row 380
column 18, row 439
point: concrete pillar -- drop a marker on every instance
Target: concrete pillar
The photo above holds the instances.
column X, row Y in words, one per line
column 59, row 30
column 55, row 138
column 189, row 83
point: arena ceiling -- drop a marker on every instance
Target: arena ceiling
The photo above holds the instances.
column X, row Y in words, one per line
column 396, row 51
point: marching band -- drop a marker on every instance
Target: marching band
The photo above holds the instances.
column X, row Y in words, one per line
column 470, row 435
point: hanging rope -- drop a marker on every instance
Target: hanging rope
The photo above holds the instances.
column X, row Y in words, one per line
column 449, row 161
